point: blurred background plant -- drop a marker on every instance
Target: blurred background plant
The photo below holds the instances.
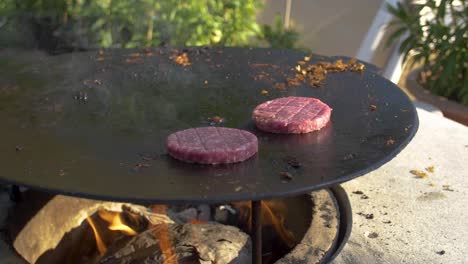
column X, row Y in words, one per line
column 278, row 36
column 65, row 25
column 434, row 34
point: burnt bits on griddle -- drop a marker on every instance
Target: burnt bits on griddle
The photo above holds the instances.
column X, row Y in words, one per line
column 286, row 176
column 315, row 74
column 304, row 72
column 181, row 59
column 293, row 162
column 215, row 120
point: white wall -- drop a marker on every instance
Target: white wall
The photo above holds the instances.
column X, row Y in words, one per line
column 328, row 27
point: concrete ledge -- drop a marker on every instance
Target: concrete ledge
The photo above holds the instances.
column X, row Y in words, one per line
column 407, row 219
column 428, row 107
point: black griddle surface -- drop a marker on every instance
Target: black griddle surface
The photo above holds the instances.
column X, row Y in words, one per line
column 112, row 146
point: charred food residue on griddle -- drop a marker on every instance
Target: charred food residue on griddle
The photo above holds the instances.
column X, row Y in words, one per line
column 303, row 72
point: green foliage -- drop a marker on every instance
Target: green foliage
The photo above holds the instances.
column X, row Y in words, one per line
column 440, row 44
column 278, row 36
column 123, row 23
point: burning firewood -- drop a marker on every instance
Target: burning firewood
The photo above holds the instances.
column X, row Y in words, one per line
column 210, row 243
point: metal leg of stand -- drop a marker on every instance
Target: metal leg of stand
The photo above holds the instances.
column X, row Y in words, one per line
column 15, row 194
column 257, row 232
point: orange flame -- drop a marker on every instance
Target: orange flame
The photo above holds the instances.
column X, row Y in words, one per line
column 278, row 224
column 163, row 235
column 116, row 223
column 100, row 245
column 272, row 214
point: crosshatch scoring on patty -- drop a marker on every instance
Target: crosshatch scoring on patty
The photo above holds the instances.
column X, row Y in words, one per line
column 212, row 145
column 292, row 115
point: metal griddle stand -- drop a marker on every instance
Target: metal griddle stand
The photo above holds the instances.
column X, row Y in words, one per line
column 256, row 231
column 15, row 194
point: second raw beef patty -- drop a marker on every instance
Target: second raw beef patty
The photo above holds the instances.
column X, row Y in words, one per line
column 292, row 115
column 212, row 145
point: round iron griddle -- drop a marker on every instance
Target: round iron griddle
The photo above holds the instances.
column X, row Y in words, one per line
column 112, row 146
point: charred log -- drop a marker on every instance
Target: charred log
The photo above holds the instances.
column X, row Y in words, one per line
column 202, row 243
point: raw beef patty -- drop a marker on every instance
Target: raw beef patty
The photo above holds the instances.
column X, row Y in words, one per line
column 292, row 115
column 212, row 145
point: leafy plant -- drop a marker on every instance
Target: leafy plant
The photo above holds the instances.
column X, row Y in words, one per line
column 278, row 36
column 123, row 23
column 65, row 25
column 435, row 35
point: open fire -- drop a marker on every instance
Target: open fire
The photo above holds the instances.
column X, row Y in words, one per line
column 64, row 229
column 108, row 227
column 165, row 244
column 272, row 215
column 116, row 222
